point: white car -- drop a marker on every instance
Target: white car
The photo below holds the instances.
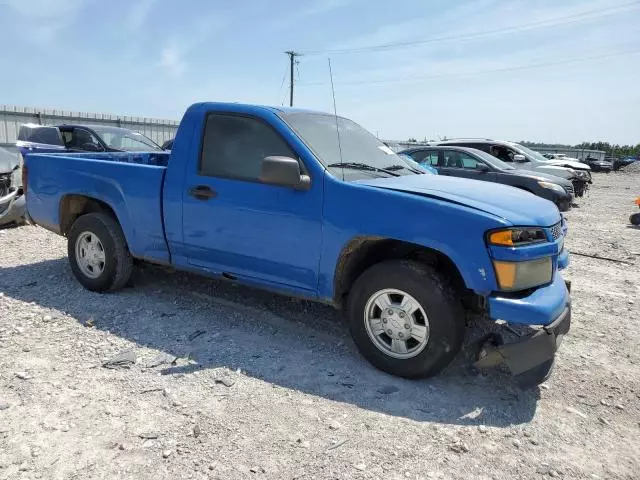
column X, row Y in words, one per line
column 561, row 160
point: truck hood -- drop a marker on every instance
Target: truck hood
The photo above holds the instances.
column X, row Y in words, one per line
column 515, row 206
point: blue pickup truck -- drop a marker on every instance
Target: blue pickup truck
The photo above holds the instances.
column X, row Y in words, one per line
column 312, row 205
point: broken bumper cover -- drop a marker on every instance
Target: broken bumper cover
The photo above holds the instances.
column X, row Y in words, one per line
column 530, row 358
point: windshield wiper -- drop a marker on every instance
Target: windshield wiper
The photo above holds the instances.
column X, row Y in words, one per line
column 363, row 166
column 402, row 167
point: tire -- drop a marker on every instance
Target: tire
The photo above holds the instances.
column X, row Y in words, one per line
column 115, row 269
column 445, row 318
column 635, row 219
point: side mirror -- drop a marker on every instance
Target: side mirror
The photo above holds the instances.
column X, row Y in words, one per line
column 481, row 167
column 519, row 158
column 284, row 172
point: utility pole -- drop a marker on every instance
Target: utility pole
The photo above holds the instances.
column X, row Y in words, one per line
column 292, row 61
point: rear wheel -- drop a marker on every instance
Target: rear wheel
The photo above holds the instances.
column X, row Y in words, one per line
column 98, row 253
column 406, row 319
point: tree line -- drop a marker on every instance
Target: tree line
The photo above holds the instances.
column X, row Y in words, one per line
column 613, row 150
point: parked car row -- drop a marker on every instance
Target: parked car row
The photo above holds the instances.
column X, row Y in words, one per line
column 509, row 163
column 312, row 205
column 478, row 165
column 35, row 138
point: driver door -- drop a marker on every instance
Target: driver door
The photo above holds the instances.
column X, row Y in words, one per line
column 235, row 225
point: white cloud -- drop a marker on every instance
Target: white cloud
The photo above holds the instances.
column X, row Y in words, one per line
column 172, row 59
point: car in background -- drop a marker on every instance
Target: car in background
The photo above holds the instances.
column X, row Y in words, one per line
column 167, row 145
column 12, row 202
column 559, row 156
column 478, row 165
column 523, row 158
column 618, row 163
column 417, row 166
column 598, row 165
column 33, row 138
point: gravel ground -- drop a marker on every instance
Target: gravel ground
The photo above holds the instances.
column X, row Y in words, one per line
column 228, row 382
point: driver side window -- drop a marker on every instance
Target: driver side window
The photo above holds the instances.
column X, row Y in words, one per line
column 80, row 139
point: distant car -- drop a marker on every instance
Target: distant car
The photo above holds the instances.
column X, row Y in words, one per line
column 559, row 156
column 81, row 138
column 418, row 166
column 618, row 163
column 479, row 165
column 598, row 165
column 523, row 158
column 12, row 203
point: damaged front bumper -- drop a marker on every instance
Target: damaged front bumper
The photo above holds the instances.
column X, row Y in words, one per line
column 530, row 357
column 12, row 209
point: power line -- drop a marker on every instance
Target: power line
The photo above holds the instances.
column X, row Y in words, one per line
column 284, row 75
column 480, row 72
column 580, row 17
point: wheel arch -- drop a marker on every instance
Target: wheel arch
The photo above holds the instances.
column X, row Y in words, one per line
column 73, row 206
column 362, row 252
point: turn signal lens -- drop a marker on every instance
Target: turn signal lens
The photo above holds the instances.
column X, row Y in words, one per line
column 506, row 273
column 515, row 276
column 503, row 237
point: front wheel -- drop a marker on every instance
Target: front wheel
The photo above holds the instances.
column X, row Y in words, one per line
column 406, row 319
column 98, row 253
column 635, row 219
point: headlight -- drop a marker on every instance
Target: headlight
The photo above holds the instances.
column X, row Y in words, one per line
column 516, row 237
column 515, row 276
column 551, row 186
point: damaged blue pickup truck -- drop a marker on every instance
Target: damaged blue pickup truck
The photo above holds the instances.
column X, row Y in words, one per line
column 312, row 205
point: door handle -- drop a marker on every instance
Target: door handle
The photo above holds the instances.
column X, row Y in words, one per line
column 202, row 192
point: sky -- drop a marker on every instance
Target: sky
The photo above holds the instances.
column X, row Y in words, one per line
column 555, row 71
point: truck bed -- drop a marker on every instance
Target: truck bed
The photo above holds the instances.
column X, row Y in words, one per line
column 131, row 183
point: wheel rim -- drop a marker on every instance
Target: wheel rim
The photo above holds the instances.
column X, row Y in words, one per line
column 396, row 323
column 90, row 255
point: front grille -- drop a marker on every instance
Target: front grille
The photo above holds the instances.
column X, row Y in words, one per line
column 556, row 231
column 569, row 189
column 5, row 183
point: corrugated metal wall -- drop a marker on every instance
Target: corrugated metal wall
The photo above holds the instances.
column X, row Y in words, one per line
column 11, row 117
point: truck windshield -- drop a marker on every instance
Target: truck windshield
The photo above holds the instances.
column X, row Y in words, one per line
column 359, row 151
column 123, row 139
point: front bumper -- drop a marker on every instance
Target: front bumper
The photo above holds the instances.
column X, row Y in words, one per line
column 12, row 209
column 542, row 306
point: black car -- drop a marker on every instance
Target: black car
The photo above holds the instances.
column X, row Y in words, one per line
column 524, row 158
column 478, row 165
column 598, row 165
column 82, row 138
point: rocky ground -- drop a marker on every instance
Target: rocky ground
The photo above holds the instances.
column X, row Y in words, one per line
column 208, row 380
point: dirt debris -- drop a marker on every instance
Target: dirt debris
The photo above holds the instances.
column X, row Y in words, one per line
column 304, row 404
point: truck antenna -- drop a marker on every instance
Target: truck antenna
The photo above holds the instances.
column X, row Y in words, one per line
column 335, row 115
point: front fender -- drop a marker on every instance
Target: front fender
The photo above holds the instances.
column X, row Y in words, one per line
column 455, row 230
